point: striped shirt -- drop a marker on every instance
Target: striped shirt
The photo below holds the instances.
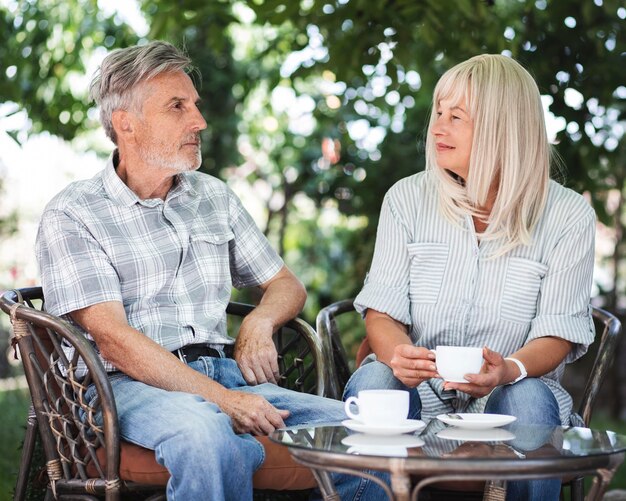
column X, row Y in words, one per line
column 172, row 263
column 434, row 276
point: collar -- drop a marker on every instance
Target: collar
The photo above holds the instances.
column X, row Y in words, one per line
column 123, row 195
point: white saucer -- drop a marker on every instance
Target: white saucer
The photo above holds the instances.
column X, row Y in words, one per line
column 407, row 426
column 366, row 440
column 488, row 435
column 476, row 421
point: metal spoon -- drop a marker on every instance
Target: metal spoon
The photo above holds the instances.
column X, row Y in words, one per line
column 454, row 416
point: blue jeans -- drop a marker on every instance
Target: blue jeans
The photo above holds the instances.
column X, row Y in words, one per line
column 530, row 400
column 374, row 376
column 195, row 441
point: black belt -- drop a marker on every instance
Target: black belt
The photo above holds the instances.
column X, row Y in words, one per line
column 193, row 352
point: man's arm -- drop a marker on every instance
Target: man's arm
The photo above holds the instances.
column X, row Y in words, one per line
column 255, row 352
column 144, row 360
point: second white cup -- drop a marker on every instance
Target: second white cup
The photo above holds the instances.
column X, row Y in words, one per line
column 379, row 407
column 453, row 362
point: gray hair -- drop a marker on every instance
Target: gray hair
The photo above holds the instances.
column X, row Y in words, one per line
column 114, row 84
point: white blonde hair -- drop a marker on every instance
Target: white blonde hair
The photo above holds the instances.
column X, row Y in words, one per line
column 510, row 149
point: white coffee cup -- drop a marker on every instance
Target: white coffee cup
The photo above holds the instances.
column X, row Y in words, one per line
column 453, row 362
column 379, row 407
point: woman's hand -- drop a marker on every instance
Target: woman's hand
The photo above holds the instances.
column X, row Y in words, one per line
column 413, row 364
column 493, row 373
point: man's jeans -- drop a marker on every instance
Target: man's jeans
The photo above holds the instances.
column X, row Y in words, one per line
column 195, row 441
column 530, row 400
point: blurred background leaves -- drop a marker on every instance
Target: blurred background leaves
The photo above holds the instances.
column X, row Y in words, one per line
column 317, row 107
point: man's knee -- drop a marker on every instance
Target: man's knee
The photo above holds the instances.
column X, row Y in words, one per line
column 208, row 441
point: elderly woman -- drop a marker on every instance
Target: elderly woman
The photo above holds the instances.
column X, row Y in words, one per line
column 482, row 249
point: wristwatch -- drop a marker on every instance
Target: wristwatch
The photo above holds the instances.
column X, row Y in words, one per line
column 521, row 367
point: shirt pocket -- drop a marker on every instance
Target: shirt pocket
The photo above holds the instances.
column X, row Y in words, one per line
column 217, row 238
column 427, row 268
column 209, row 252
column 521, row 289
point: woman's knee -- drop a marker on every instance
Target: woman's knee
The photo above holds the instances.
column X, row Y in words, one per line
column 530, row 400
column 375, row 375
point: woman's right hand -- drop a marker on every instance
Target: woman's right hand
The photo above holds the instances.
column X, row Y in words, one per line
column 413, row 364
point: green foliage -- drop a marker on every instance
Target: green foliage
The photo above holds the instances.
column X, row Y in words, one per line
column 13, row 409
column 567, row 52
column 361, row 62
column 429, row 37
column 49, row 45
column 354, row 31
column 589, row 58
column 8, row 223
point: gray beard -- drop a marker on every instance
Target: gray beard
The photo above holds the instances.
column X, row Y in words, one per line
column 176, row 162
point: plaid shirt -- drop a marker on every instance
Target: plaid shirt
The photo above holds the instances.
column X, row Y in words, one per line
column 171, row 263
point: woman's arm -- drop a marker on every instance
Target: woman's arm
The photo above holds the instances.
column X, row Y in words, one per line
column 539, row 357
column 390, row 342
column 384, row 334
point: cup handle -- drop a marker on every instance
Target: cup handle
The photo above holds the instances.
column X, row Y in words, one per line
column 346, row 406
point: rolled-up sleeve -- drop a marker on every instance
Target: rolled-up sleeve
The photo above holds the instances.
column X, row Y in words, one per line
column 386, row 287
column 75, row 270
column 563, row 309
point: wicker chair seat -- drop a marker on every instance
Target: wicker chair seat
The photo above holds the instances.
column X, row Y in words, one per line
column 84, row 456
column 278, row 472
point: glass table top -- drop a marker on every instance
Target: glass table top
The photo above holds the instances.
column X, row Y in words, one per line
column 439, row 441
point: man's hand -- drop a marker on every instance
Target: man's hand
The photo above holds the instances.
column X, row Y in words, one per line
column 413, row 364
column 255, row 351
column 283, row 298
column 252, row 413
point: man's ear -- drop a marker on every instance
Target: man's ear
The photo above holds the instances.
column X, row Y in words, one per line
column 122, row 123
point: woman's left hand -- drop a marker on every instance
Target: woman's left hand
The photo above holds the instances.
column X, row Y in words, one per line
column 492, row 374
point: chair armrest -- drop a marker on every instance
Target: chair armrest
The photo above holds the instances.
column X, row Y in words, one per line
column 58, row 392
column 301, row 360
column 338, row 371
column 604, row 359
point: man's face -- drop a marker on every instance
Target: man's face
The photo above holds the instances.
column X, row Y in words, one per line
column 167, row 129
column 453, row 131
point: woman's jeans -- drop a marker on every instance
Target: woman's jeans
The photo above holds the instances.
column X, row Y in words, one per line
column 195, row 441
column 530, row 400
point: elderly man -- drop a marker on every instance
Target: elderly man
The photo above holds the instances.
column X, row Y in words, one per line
column 142, row 258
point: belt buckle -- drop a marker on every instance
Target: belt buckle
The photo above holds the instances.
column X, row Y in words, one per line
column 181, row 355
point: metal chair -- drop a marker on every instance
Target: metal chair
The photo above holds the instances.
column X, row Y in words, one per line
column 339, row 372
column 82, row 454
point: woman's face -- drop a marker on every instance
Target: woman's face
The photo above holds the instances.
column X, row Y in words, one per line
column 453, row 131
